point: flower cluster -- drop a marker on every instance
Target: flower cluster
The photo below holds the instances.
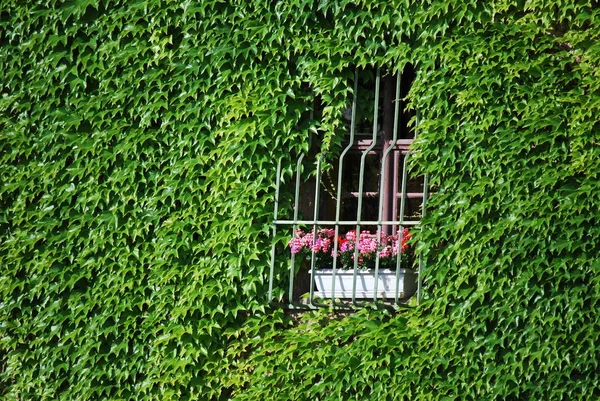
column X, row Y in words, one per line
column 321, row 243
column 388, row 247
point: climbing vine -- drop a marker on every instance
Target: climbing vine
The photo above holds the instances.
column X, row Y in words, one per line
column 138, row 145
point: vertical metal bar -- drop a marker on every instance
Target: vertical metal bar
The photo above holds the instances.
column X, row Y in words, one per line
column 339, row 184
column 361, row 182
column 295, row 225
column 403, row 187
column 423, row 211
column 272, row 271
column 401, row 219
column 315, row 219
column 398, row 264
column 421, row 261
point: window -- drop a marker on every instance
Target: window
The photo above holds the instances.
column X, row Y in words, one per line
column 362, row 209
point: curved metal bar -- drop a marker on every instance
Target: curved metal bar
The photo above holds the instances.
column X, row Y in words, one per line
column 339, row 184
column 384, row 158
column 361, row 181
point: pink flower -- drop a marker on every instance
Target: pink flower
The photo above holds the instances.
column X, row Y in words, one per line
column 346, row 246
column 367, row 243
column 296, row 245
column 297, row 242
column 385, row 252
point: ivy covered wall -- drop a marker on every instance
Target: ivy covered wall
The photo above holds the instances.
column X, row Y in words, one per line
column 138, row 143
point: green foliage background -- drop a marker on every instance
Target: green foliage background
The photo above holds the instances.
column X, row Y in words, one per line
column 138, row 143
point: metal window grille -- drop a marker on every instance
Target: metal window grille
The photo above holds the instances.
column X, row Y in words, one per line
column 391, row 211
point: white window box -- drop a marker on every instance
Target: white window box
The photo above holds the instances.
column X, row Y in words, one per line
column 365, row 283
